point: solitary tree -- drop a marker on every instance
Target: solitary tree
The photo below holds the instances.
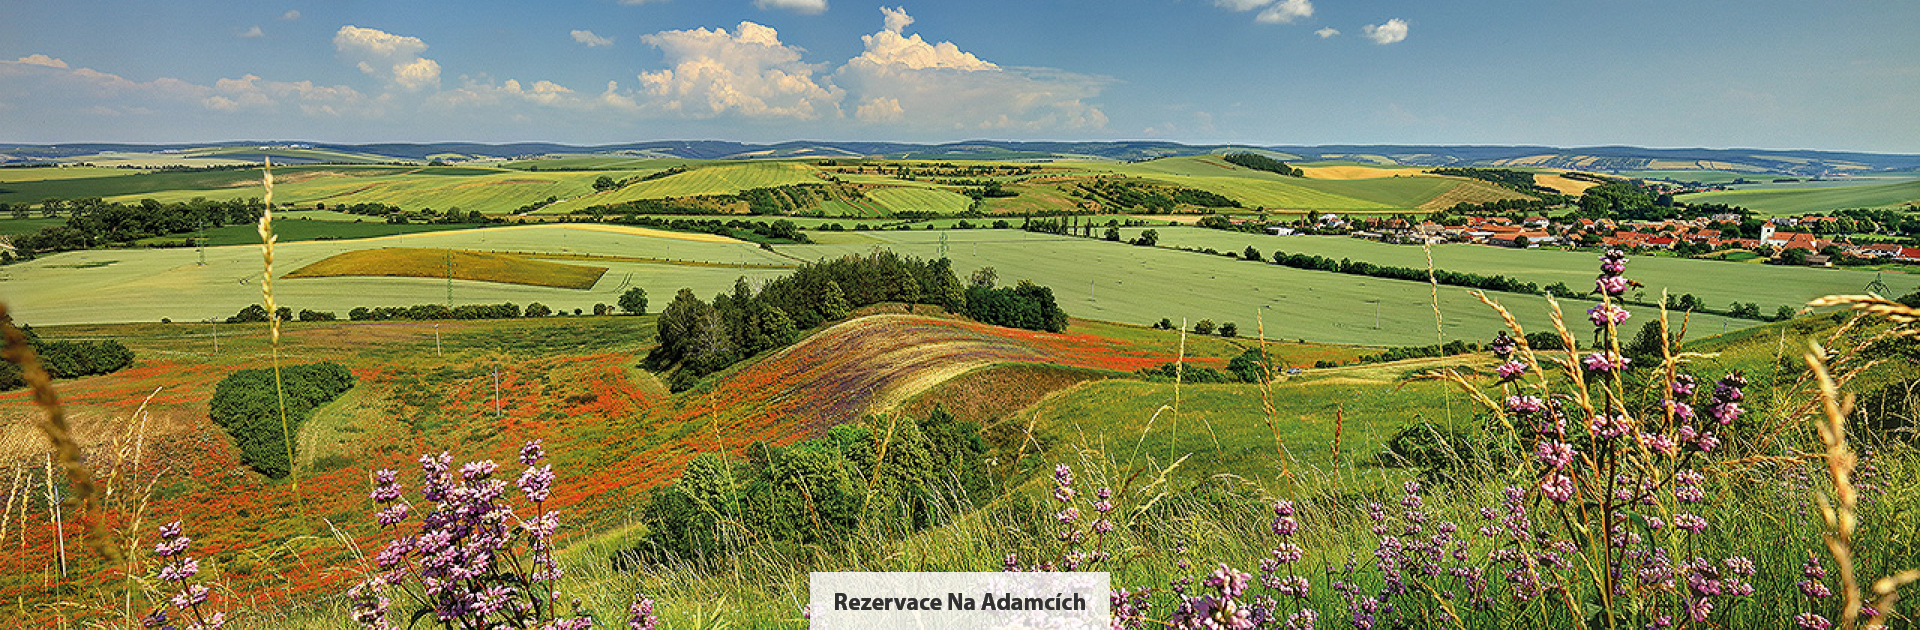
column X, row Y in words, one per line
column 1229, row 330
column 634, row 301
column 1203, row 327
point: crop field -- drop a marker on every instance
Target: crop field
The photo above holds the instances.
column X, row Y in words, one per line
column 295, row 229
column 1353, row 194
column 22, row 226
column 1340, row 170
column 600, row 162
column 491, row 191
column 14, row 175
column 1136, row 285
column 1788, row 201
column 913, row 199
column 1717, row 283
column 715, row 179
column 149, row 284
column 1565, row 185
column 1702, row 176
column 418, row 262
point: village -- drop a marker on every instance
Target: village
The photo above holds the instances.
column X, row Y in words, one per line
column 1813, row 237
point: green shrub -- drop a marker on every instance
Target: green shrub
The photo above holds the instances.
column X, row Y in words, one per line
column 247, row 405
column 895, row 474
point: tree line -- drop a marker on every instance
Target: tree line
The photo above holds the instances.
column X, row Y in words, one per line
column 93, row 222
column 67, row 359
column 1259, row 162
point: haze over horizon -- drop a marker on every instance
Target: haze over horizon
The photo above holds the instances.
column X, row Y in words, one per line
column 1761, row 75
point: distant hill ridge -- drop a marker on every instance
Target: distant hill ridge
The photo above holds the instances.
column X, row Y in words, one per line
column 1603, row 158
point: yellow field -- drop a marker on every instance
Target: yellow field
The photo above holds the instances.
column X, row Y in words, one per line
column 1469, row 191
column 1565, row 185
column 417, row 262
column 1346, row 172
column 627, row 230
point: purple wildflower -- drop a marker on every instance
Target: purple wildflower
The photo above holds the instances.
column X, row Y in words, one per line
column 1524, row 404
column 532, row 452
column 1511, row 370
column 1558, row 487
column 1810, row 621
column 640, row 614
column 1603, row 314
column 1502, row 345
column 1604, row 362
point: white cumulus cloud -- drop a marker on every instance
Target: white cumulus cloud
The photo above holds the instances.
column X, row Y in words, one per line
column 590, row 39
column 807, row 7
column 1240, row 5
column 748, row 72
column 392, row 58
column 38, row 59
column 254, row 32
column 291, row 15
column 902, row 79
column 1327, row 32
column 1393, row 31
column 1285, row 12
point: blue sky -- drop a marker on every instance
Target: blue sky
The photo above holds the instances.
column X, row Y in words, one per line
column 1764, row 73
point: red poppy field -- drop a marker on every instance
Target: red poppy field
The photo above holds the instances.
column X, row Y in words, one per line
column 481, row 390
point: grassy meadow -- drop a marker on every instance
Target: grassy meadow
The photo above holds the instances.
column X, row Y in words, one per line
column 1716, row 283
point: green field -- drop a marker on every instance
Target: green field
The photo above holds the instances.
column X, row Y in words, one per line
column 10, row 225
column 1717, row 283
column 1702, row 176
column 1262, row 189
column 15, row 175
column 914, row 199
column 293, row 229
column 1139, row 285
column 717, row 179
column 1798, row 201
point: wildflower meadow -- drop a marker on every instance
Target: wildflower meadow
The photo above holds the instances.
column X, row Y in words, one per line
column 1607, row 483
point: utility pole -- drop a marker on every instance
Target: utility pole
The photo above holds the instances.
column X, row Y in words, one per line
column 436, row 340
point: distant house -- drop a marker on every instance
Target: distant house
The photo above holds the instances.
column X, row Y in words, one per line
column 1282, row 231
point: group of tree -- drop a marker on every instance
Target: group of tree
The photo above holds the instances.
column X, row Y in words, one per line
column 1147, row 197
column 426, row 312
column 67, row 359
column 895, row 474
column 250, row 405
column 699, row 337
column 1420, row 352
column 93, row 222
column 1250, row 366
column 1259, row 162
column 779, row 231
